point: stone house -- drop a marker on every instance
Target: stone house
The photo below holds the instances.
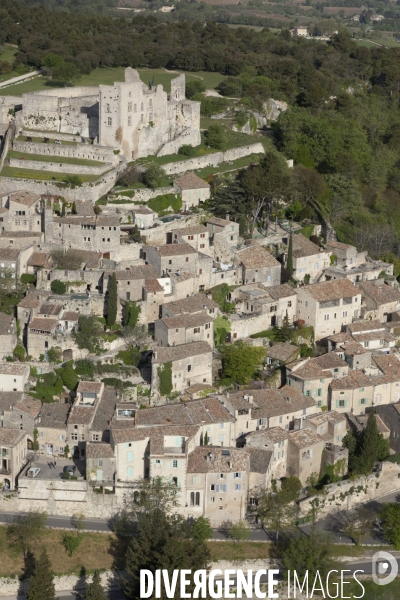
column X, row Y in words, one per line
column 52, row 429
column 8, row 334
column 261, row 472
column 20, row 411
column 353, row 265
column 24, row 212
column 153, row 297
column 390, row 415
column 40, row 333
column 100, row 463
column 13, row 445
column 281, row 353
column 304, row 454
column 131, row 281
column 276, row 441
column 257, row 265
column 371, row 334
column 356, row 356
column 28, row 306
column 196, row 236
column 144, row 217
column 41, row 264
column 14, row 261
column 182, row 285
column 170, row 257
column 99, row 233
column 378, row 300
column 353, row 393
column 276, row 302
column 191, row 363
column 173, row 331
column 18, row 240
column 194, row 190
column 308, row 258
column 194, row 304
column 328, row 306
column 13, row 377
column 218, row 483
column 224, row 238
column 69, row 320
column 330, row 425
column 312, row 376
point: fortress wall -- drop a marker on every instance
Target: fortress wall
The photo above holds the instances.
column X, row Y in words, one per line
column 86, row 151
column 57, row 167
column 52, row 135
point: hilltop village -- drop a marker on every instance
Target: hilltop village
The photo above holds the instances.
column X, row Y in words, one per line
column 142, row 340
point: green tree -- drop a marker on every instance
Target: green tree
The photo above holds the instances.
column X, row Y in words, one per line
column 19, row 353
column 222, row 327
column 65, row 72
column 241, row 362
column 68, row 375
column 35, row 440
column 66, row 451
column 389, row 515
column 216, row 136
column 112, row 305
column 202, row 529
column 289, row 264
column 54, row 354
column 206, row 439
column 132, row 312
column 89, row 330
column 69, row 260
column 284, row 333
column 41, row 584
column 163, row 542
column 373, row 446
column 94, row 590
column 309, row 554
column 154, row 175
column 194, row 87
column 275, row 513
column 25, row 529
column 165, row 377
column 291, row 488
column 50, row 62
column 239, row 531
column 71, row 543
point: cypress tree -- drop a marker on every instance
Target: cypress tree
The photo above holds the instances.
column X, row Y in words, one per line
column 41, row 585
column 112, row 301
column 289, row 265
column 370, row 446
column 95, row 590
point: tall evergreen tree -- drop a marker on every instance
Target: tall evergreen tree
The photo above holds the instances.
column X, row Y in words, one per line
column 373, row 447
column 112, row 301
column 95, row 590
column 289, row 264
column 41, row 585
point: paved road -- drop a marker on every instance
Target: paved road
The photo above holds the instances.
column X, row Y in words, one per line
column 19, row 79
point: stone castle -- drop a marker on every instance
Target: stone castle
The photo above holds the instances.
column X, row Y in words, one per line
column 130, row 116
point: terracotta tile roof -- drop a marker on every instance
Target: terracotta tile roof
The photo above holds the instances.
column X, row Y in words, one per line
column 191, row 181
column 132, row 434
column 339, row 245
column 25, row 198
column 273, row 435
column 212, row 459
column 380, row 293
column 42, row 324
column 329, row 361
column 54, row 416
column 21, row 234
column 303, row 247
column 282, row 351
column 9, row 254
column 329, row 415
column 105, row 410
column 219, row 222
column 331, row 290
column 193, row 304
column 143, row 210
column 188, row 320
column 91, row 258
column 365, row 326
column 70, row 315
column 152, row 285
column 339, row 338
column 260, row 459
column 191, row 230
column 353, row 349
column 33, row 299
column 7, row 324
column 135, row 273
column 163, row 355
column 388, row 363
column 355, row 379
column 281, row 291
column 13, row 369
column 304, row 438
column 84, row 208
column 375, row 335
column 81, row 415
column 255, row 257
column 50, row 309
column 10, row 437
column 174, row 249
column 40, row 259
column 98, row 450
column 272, row 403
column 194, row 412
column 29, row 406
column 181, row 276
column 90, row 387
column 100, row 221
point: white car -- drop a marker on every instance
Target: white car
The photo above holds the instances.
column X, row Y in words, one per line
column 32, row 472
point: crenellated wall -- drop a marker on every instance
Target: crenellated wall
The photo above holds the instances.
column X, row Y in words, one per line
column 56, row 167
column 82, row 151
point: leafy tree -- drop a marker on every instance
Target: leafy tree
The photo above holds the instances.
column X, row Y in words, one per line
column 94, row 590
column 25, row 529
column 163, row 542
column 194, row 87
column 389, row 514
column 89, row 330
column 239, row 531
column 51, row 61
column 154, row 175
column 284, row 333
column 240, row 362
column 84, row 366
column 291, row 488
column 222, row 326
column 54, row 354
column 41, row 584
column 309, row 554
column 71, row 543
column 112, row 305
column 58, row 287
column 391, row 258
column 65, row 72
column 68, row 376
column 289, row 264
column 202, row 529
column 231, row 200
column 275, row 513
column 19, row 353
column 70, row 260
column 187, row 150
column 216, row 136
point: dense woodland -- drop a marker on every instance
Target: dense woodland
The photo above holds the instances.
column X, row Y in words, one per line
column 343, row 124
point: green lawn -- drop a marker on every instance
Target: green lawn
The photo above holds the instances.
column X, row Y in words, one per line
column 67, row 160
column 23, row 138
column 388, row 42
column 240, row 163
column 108, row 76
column 8, row 54
column 40, row 175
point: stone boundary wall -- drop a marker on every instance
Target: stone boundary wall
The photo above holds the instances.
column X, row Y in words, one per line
column 5, row 146
column 141, row 195
column 212, row 160
column 84, row 151
column 67, row 137
column 345, row 495
column 37, row 165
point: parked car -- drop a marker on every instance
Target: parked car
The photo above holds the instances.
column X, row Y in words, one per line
column 70, row 469
column 33, row 472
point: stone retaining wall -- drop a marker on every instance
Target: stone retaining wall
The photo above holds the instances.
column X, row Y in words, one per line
column 56, row 167
column 85, row 151
column 67, row 137
column 141, row 195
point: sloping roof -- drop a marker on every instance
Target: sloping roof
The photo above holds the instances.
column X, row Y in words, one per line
column 7, row 324
column 10, row 437
column 89, row 386
column 304, row 438
column 9, row 254
column 212, row 459
column 281, row 291
column 152, row 285
column 50, row 309
column 365, row 326
column 255, row 257
column 219, row 222
column 355, row 379
column 388, row 364
column 331, row 290
column 29, row 406
column 42, row 324
column 135, row 273
column 98, row 450
column 54, row 416
column 25, row 198
column 303, row 247
column 196, row 303
column 194, row 412
column 188, row 320
column 192, row 230
column 40, row 259
column 381, row 293
column 282, row 351
column 70, row 315
column 156, row 434
column 191, row 181
column 260, row 459
column 143, row 210
column 163, row 355
column 9, row 368
column 272, row 403
column 33, row 299
column 274, row 435
column 173, row 249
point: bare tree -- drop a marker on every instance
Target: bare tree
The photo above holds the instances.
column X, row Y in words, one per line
column 70, row 259
column 377, row 238
column 135, row 337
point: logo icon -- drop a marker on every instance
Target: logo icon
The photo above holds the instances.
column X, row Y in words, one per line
column 381, row 561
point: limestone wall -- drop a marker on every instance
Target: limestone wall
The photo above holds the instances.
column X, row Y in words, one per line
column 141, row 196
column 57, row 167
column 345, row 495
column 212, row 160
column 53, row 135
column 84, row 151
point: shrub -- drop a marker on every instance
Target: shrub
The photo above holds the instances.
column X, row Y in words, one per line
column 28, row 278
column 71, row 543
column 68, row 376
column 84, row 366
column 154, row 175
column 165, row 377
column 216, row 136
column 19, row 353
column 187, row 150
column 130, row 357
column 194, row 87
column 58, row 287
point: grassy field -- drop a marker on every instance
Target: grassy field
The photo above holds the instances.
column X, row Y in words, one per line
column 373, row 591
column 67, row 160
column 41, row 175
column 238, row 550
column 108, row 76
column 386, row 41
column 8, row 54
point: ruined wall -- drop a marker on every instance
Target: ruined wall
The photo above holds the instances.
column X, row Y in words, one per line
column 84, row 151
column 56, row 167
column 140, row 196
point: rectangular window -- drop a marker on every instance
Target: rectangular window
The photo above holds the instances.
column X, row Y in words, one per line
column 129, row 106
column 237, row 475
column 319, row 392
column 129, row 456
column 129, row 121
column 238, row 487
column 129, row 471
column 341, row 403
column 326, row 317
column 109, row 121
column 175, row 464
